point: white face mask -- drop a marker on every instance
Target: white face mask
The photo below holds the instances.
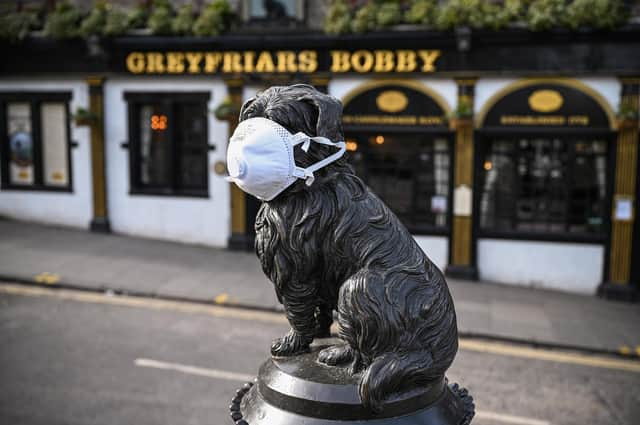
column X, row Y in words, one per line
column 260, row 157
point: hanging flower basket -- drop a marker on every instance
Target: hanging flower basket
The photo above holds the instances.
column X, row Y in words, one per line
column 83, row 118
column 226, row 110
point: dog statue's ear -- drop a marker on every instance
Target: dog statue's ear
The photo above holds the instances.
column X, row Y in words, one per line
column 244, row 107
column 329, row 108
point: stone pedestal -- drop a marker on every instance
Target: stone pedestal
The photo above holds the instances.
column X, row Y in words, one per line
column 299, row 390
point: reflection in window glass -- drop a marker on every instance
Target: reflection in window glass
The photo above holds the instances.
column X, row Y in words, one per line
column 410, row 173
column 21, row 170
column 54, row 143
column 169, row 147
column 191, row 137
column 155, row 147
column 545, row 185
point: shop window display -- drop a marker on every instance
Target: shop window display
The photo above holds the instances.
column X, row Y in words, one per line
column 36, row 143
column 410, row 173
column 168, row 144
column 543, row 185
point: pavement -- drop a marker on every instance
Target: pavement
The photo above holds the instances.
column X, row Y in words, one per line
column 45, row 255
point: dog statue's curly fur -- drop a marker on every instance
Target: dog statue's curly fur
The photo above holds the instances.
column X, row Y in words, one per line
column 335, row 245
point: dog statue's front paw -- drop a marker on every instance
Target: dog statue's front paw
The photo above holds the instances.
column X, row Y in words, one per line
column 290, row 344
column 335, row 355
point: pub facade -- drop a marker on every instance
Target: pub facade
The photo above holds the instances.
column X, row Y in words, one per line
column 506, row 156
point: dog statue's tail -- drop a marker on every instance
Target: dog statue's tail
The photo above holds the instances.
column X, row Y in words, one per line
column 394, row 372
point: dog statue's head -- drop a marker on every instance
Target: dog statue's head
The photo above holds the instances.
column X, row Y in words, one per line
column 302, row 108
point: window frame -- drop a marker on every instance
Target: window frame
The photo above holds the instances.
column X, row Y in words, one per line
column 299, row 19
column 35, row 101
column 484, row 136
column 432, row 134
column 170, row 99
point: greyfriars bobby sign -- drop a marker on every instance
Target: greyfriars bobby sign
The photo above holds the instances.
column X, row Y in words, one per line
column 282, row 61
column 329, row 245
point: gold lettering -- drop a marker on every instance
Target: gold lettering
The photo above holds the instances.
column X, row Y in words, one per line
column 135, row 62
column 286, row 61
column 265, row 63
column 428, row 59
column 155, row 63
column 578, row 120
column 212, row 62
column 340, row 61
column 362, row 60
column 249, row 58
column 384, row 61
column 194, row 62
column 232, row 62
column 533, row 120
column 175, row 62
column 307, row 61
column 406, row 61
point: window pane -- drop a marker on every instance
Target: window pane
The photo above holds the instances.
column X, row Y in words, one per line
column 545, row 185
column 274, row 9
column 21, row 170
column 410, row 173
column 155, row 146
column 191, row 134
column 54, row 144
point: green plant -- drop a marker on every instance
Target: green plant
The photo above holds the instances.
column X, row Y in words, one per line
column 226, row 109
column 627, row 111
column 596, row 13
column 96, row 20
column 84, row 117
column 63, row 22
column 388, row 14
column 459, row 13
column 116, row 23
column 421, row 12
column 138, row 16
column 546, row 14
column 183, row 22
column 464, row 109
column 338, row 20
column 16, row 26
column 365, row 19
column 215, row 19
column 498, row 16
column 159, row 21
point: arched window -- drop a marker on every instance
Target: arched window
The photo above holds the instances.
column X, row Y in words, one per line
column 400, row 145
column 543, row 162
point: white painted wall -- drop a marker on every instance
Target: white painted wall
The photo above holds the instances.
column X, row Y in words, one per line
column 191, row 220
column 61, row 208
column 436, row 248
column 555, row 265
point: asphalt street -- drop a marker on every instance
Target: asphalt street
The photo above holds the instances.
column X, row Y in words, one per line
column 83, row 358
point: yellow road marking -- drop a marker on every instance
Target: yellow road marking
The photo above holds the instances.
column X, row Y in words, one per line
column 279, row 318
column 47, row 278
column 549, row 355
column 151, row 303
column 222, row 298
column 638, row 350
column 623, row 349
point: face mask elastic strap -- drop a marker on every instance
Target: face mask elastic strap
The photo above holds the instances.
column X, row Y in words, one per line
column 308, row 172
column 306, row 141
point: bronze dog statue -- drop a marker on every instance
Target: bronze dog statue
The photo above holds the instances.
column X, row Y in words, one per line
column 335, row 245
